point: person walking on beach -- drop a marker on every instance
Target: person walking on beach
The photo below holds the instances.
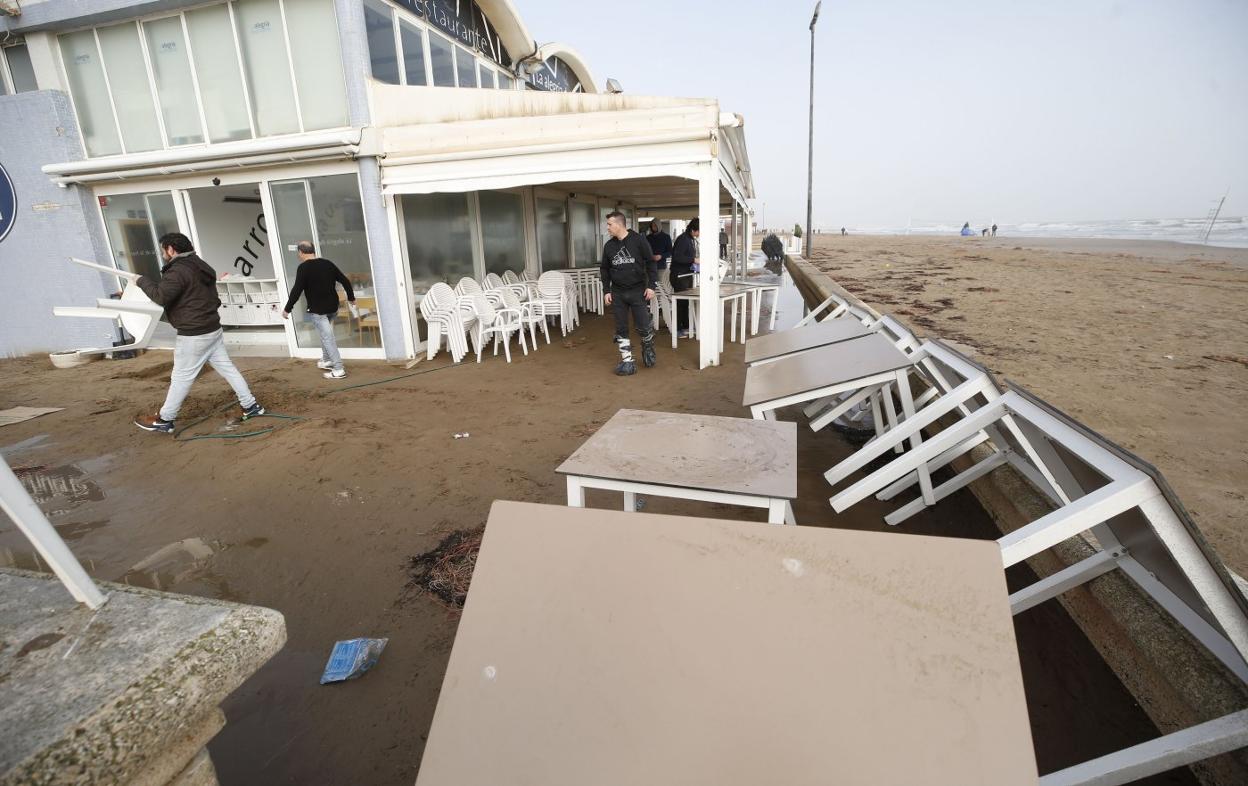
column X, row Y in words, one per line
column 994, row 230
column 188, row 291
column 315, row 280
column 684, row 257
column 660, row 243
column 843, row 232
column 628, row 276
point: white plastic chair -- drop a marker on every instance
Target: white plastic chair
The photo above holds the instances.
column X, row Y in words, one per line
column 138, row 315
column 469, row 286
column 497, row 322
column 495, row 283
column 441, row 309
column 529, row 316
column 553, row 299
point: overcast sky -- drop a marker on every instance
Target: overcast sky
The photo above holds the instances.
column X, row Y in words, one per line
column 952, row 111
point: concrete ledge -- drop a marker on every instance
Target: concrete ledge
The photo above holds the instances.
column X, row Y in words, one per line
column 1176, row 681
column 125, row 694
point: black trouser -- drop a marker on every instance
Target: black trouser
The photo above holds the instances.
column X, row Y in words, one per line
column 682, row 279
column 634, row 300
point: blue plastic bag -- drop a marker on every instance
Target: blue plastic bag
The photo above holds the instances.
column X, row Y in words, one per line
column 349, row 659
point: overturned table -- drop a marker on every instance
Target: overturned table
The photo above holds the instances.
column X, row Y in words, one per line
column 608, row 648
column 774, row 346
column 732, row 461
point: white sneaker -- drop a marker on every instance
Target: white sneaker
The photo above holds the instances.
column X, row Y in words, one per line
column 335, row 374
column 324, row 364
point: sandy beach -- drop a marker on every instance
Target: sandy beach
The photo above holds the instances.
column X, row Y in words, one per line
column 1144, row 341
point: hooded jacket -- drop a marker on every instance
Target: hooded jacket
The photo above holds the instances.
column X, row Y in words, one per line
column 187, row 290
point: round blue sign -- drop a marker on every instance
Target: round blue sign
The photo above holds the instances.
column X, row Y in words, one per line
column 8, row 203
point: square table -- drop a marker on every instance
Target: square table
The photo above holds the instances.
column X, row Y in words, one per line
column 733, row 461
column 818, row 334
column 613, row 649
column 736, row 294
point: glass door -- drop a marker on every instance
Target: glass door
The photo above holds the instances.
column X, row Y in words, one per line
column 584, row 229
column 134, row 223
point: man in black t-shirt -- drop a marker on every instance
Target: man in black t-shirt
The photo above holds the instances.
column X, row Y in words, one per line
column 316, row 279
column 628, row 278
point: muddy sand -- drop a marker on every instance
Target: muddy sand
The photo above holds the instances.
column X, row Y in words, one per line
column 1144, row 341
column 320, row 517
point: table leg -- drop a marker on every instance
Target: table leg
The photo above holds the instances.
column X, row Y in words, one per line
column 733, row 323
column 788, row 514
column 630, row 502
column 907, row 406
column 745, row 311
column 775, row 301
column 758, row 311
column 576, row 493
column 775, row 511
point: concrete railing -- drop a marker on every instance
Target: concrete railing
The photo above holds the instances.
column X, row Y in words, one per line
column 1175, row 680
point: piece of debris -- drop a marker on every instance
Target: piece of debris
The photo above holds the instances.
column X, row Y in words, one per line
column 1240, row 359
column 351, row 658
column 446, row 571
column 1168, row 357
column 462, row 435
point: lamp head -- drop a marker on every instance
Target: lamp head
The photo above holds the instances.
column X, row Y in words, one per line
column 815, row 18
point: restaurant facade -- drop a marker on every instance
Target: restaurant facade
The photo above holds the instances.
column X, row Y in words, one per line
column 413, row 142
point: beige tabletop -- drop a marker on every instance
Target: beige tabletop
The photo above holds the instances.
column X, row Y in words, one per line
column 610, row 648
column 820, row 368
column 733, row 455
column 819, row 334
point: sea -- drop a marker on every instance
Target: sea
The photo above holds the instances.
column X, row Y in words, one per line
column 1228, row 231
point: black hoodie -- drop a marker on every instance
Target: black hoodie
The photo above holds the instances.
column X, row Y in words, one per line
column 188, row 291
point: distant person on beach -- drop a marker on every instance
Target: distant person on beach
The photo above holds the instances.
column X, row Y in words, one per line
column 967, row 231
column 983, row 232
column 660, row 243
column 629, row 277
column 843, row 232
column 684, row 257
column 188, row 291
column 994, row 230
column 315, row 280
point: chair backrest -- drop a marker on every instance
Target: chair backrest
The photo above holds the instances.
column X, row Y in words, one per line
column 510, row 299
column 492, row 281
column 552, row 283
column 510, row 277
column 443, row 296
column 482, row 307
column 467, row 286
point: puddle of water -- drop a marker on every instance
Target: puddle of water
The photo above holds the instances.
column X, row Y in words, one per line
column 73, row 530
column 26, row 444
column 176, row 563
column 59, row 490
column 27, row 559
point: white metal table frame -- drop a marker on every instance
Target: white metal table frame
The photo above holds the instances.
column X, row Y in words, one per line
column 1127, row 488
column 735, row 298
column 755, row 304
column 779, row 509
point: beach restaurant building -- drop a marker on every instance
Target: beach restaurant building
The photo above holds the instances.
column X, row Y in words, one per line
column 413, row 142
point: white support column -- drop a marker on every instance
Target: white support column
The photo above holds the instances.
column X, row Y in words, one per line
column 42, row 50
column 747, row 234
column 710, row 312
column 734, row 241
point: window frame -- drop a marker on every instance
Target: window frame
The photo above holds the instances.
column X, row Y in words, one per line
column 181, row 13
column 6, row 73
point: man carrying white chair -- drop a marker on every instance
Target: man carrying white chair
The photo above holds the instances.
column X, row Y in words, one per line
column 629, row 274
column 187, row 290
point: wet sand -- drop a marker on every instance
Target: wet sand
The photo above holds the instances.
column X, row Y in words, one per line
column 319, row 518
column 1144, row 341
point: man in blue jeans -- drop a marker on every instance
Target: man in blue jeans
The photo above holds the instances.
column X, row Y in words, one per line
column 188, row 291
column 315, row 280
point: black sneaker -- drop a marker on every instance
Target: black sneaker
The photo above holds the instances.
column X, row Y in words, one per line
column 253, row 411
column 648, row 358
column 148, row 423
column 626, row 368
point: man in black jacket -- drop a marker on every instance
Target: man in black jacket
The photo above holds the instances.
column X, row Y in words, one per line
column 188, row 291
column 684, row 257
column 316, row 278
column 628, row 277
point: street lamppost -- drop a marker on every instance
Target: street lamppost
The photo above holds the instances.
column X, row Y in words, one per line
column 810, row 159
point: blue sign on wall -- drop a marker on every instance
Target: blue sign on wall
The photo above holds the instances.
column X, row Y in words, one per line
column 8, row 203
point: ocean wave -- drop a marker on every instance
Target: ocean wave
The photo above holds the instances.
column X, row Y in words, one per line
column 1231, row 231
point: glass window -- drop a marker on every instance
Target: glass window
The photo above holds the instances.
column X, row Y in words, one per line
column 134, row 222
column 442, row 57
column 132, row 94
column 86, row 84
column 439, row 239
column 20, row 68
column 216, row 67
column 413, row 53
column 336, row 228
column 322, row 89
column 552, row 237
column 381, row 54
column 585, row 250
column 167, row 49
column 266, row 66
column 487, row 76
column 502, row 231
column 466, row 65
column 505, row 82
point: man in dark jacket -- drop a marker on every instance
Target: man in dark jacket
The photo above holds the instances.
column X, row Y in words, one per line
column 628, row 278
column 187, row 290
column 660, row 243
column 684, row 257
column 316, row 279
